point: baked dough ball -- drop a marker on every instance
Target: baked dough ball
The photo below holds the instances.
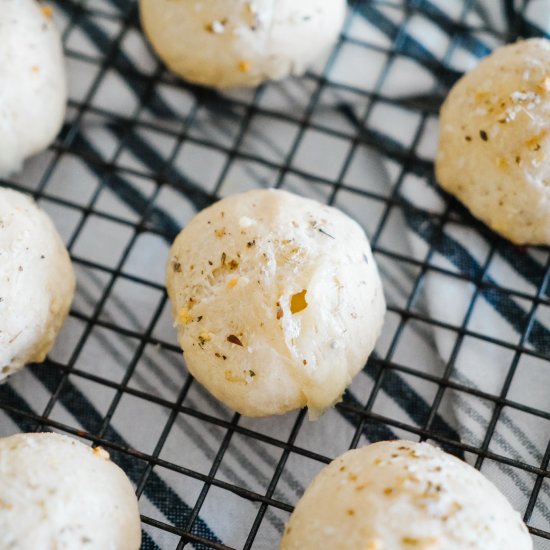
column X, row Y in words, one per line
column 33, row 90
column 56, row 492
column 36, row 282
column 494, row 148
column 277, row 301
column 227, row 43
column 398, row 495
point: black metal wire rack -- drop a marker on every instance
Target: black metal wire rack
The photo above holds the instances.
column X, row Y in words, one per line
column 141, row 151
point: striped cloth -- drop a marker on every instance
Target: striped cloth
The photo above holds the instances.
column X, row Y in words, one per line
column 464, row 353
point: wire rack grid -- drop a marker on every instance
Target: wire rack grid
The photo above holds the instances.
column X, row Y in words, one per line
column 141, row 151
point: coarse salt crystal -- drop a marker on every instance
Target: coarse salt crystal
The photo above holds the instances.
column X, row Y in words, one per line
column 245, row 221
column 524, row 96
column 218, row 27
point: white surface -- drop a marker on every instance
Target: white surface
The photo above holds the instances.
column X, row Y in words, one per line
column 494, row 142
column 33, row 90
column 234, row 271
column 241, row 43
column 400, row 495
column 36, row 282
column 56, row 492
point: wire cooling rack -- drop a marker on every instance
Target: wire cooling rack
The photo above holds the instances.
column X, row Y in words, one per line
column 142, row 151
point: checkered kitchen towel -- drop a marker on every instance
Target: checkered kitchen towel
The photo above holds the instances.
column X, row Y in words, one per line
column 464, row 353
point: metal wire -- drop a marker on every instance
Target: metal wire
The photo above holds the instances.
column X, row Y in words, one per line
column 95, row 35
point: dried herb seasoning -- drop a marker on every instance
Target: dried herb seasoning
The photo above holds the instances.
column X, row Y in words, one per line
column 234, row 340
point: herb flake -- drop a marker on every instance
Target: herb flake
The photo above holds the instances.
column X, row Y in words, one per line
column 234, row 340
